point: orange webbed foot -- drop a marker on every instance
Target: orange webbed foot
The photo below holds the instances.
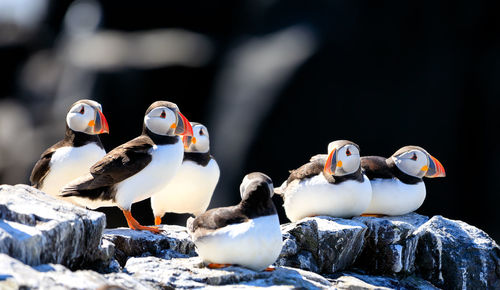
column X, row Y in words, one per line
column 217, row 266
column 135, row 225
column 270, row 269
column 373, row 215
column 157, row 220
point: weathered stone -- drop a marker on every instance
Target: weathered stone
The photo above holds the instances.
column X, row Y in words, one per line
column 14, row 275
column 350, row 280
column 389, row 244
column 453, row 254
column 191, row 273
column 321, row 244
column 38, row 229
column 132, row 243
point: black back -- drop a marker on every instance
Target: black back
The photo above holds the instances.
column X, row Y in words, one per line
column 385, row 168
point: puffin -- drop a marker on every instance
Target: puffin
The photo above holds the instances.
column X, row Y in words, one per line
column 72, row 156
column 331, row 185
column 192, row 187
column 137, row 169
column 247, row 234
column 397, row 184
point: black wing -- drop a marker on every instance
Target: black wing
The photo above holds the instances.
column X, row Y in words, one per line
column 376, row 167
column 118, row 165
column 312, row 168
column 217, row 218
column 41, row 168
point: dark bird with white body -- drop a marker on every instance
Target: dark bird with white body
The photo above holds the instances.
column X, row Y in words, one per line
column 247, row 234
column 134, row 171
column 76, row 153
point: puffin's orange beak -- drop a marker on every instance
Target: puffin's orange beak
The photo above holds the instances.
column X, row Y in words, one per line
column 100, row 124
column 332, row 159
column 436, row 169
column 183, row 127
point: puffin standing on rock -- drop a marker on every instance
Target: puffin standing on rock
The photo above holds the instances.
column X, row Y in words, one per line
column 247, row 234
column 396, row 181
column 192, row 187
column 76, row 153
column 330, row 185
column 139, row 168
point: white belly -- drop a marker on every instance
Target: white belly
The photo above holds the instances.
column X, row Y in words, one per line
column 69, row 163
column 393, row 197
column 315, row 196
column 189, row 191
column 255, row 244
column 166, row 161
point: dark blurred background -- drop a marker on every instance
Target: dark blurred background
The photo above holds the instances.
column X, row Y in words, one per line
column 274, row 81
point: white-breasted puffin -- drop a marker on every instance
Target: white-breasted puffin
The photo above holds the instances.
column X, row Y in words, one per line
column 139, row 168
column 247, row 234
column 396, row 181
column 330, row 185
column 192, row 187
column 76, row 153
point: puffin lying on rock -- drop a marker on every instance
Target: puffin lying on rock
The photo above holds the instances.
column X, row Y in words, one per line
column 396, row 181
column 76, row 153
column 330, row 185
column 247, row 234
column 134, row 171
column 192, row 187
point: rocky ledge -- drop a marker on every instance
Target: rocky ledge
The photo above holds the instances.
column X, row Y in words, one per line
column 47, row 243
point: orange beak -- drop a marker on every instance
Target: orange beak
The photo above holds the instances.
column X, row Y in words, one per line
column 183, row 126
column 332, row 159
column 100, row 125
column 436, row 169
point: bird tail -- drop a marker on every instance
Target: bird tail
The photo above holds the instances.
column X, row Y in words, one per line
column 74, row 187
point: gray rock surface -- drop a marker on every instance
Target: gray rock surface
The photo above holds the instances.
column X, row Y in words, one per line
column 45, row 243
column 390, row 245
column 174, row 241
column 321, row 244
column 36, row 228
column 453, row 254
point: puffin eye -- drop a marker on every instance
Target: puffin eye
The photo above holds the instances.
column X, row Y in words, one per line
column 82, row 110
column 414, row 157
column 201, row 132
column 163, row 114
column 347, row 152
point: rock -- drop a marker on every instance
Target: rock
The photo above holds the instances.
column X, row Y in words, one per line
column 36, row 228
column 321, row 244
column 351, row 280
column 190, row 273
column 453, row 254
column 174, row 241
column 15, row 275
column 389, row 244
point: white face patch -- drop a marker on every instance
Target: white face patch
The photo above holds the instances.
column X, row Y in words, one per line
column 412, row 162
column 202, row 144
column 160, row 121
column 79, row 117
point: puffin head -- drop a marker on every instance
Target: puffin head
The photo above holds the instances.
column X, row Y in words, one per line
column 256, row 183
column 199, row 142
column 343, row 158
column 416, row 162
column 86, row 116
column 164, row 118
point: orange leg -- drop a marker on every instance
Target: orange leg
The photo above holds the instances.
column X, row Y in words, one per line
column 157, row 220
column 373, row 215
column 135, row 225
column 217, row 266
column 269, row 269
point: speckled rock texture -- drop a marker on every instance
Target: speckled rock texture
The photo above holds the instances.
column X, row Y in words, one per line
column 49, row 244
column 321, row 244
column 36, row 228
